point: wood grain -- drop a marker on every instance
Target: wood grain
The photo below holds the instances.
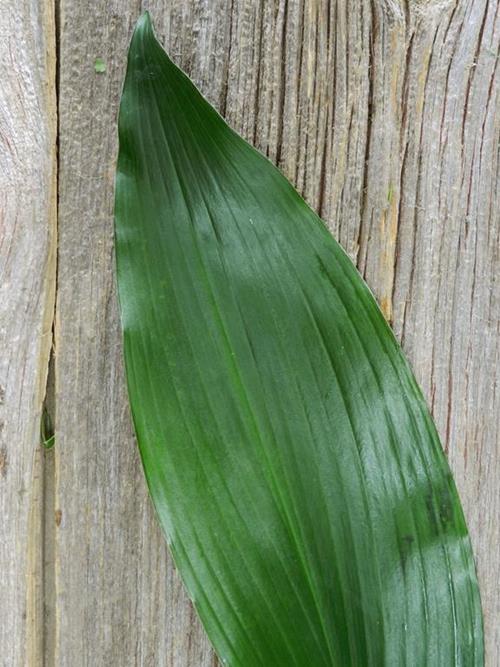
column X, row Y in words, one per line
column 385, row 114
column 117, row 599
column 27, row 287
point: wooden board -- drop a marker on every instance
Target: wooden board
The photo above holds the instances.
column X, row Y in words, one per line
column 27, row 287
column 117, row 599
column 386, row 116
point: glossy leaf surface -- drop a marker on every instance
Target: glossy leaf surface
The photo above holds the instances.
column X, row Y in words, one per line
column 290, row 456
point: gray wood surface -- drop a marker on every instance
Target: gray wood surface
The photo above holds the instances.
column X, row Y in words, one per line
column 386, row 116
column 27, row 287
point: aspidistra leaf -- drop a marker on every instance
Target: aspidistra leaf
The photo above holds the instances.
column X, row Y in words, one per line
column 289, row 453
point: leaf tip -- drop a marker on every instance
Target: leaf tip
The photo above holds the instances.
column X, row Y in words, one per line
column 143, row 38
column 144, row 24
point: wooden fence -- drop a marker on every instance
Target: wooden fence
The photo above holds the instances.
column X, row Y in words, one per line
column 385, row 114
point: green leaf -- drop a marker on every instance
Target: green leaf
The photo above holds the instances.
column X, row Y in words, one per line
column 47, row 435
column 99, row 66
column 289, row 453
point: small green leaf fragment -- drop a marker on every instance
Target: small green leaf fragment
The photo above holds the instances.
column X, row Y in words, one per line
column 99, row 66
column 390, row 193
column 50, row 442
column 47, row 435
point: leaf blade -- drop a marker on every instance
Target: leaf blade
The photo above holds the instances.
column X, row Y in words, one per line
column 277, row 419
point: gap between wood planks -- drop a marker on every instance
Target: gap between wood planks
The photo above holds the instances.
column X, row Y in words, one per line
column 44, row 516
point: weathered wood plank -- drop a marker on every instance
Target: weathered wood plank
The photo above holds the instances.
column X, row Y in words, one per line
column 387, row 119
column 118, row 601
column 27, row 286
column 446, row 296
